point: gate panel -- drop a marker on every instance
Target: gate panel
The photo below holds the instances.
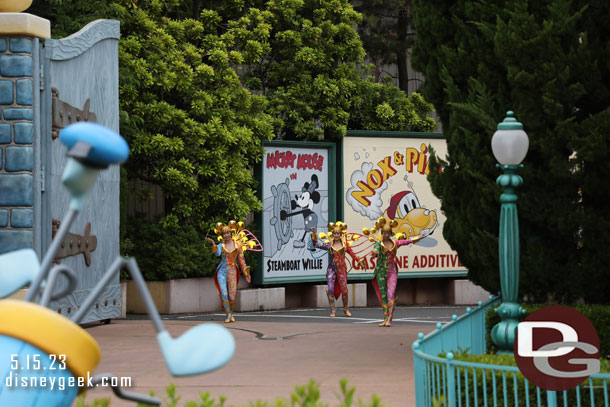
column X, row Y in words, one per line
column 81, row 84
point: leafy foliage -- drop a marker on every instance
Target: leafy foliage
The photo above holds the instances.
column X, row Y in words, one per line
column 80, row 401
column 192, row 128
column 385, row 107
column 313, row 76
column 386, row 30
column 303, row 396
column 201, row 85
column 168, row 252
column 311, row 71
column 69, row 16
column 548, row 61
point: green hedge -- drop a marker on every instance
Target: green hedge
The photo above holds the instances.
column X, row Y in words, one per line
column 168, row 252
column 599, row 315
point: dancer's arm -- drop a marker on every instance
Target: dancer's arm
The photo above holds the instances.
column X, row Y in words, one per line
column 242, row 263
column 375, row 251
column 404, row 242
column 317, row 244
column 354, row 256
column 216, row 249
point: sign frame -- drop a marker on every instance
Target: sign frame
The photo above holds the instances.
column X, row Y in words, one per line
column 331, row 148
column 341, row 203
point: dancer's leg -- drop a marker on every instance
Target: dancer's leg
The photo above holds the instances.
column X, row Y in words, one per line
column 392, row 282
column 330, row 281
column 383, row 291
column 224, row 295
column 342, row 277
column 232, row 290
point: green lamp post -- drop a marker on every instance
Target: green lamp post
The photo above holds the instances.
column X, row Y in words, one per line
column 509, row 145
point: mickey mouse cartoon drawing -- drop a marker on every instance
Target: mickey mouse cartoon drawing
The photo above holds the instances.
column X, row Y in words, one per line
column 309, row 197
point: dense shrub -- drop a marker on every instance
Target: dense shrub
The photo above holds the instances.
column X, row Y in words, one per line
column 166, row 252
column 548, row 61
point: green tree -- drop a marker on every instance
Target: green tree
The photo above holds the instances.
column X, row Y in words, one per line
column 549, row 62
column 311, row 71
column 195, row 126
column 386, row 30
column 383, row 106
column 192, row 128
column 314, row 78
column 69, row 16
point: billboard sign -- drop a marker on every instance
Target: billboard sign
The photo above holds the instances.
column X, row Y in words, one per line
column 387, row 176
column 298, row 190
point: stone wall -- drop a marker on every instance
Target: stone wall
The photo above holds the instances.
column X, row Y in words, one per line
column 16, row 144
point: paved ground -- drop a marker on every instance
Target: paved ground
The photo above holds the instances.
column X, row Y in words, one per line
column 402, row 315
column 277, row 351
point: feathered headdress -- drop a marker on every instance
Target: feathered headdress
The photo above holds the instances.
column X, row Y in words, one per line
column 375, row 233
column 239, row 234
column 341, row 227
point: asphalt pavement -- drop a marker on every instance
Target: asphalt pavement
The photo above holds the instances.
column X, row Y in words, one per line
column 372, row 315
column 276, row 351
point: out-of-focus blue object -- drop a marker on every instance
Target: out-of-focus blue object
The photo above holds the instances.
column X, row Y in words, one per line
column 17, row 269
column 201, row 349
column 92, row 147
column 78, row 178
column 22, row 361
column 107, row 146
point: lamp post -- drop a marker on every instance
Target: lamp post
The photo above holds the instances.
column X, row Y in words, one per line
column 509, row 145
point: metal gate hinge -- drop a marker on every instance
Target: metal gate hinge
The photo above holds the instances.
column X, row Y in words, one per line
column 74, row 244
column 64, row 114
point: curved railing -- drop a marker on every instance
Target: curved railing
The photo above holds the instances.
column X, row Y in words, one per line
column 444, row 381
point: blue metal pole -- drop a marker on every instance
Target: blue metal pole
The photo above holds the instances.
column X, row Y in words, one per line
column 419, row 369
column 551, row 398
column 451, row 381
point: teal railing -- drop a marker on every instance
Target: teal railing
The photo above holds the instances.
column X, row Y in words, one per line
column 443, row 381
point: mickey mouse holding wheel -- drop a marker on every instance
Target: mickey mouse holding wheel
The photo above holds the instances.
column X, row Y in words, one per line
column 309, row 197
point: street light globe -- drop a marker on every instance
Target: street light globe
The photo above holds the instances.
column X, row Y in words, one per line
column 510, row 143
